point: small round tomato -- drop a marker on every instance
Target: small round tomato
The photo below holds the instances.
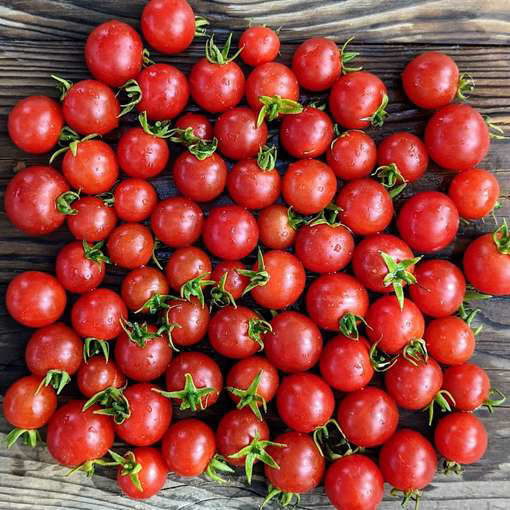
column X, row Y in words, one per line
column 130, row 245
column 352, row 155
column 177, row 222
column 293, row 399
column 139, row 285
column 201, row 127
column 30, row 200
column 230, row 232
column 35, row 299
column 91, row 107
column 259, row 45
column 307, row 134
column 134, row 199
column 188, row 446
column 428, row 221
column 190, row 319
column 70, row 426
column 468, row 384
column 366, row 206
column 34, row 124
column 168, row 25
column 439, row 288
column 93, row 221
column 309, row 185
column 294, row 344
column 97, row 374
column 368, row 417
column 239, row 136
column 186, row 264
column 393, row 326
column 449, row 340
column 358, row 100
column 332, row 297
column 354, row 482
column 275, row 229
column 235, row 283
column 345, row 363
column 97, row 314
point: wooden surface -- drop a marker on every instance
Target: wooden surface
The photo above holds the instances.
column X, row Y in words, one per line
column 41, row 37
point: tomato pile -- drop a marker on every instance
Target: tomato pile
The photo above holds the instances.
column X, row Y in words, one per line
column 305, row 293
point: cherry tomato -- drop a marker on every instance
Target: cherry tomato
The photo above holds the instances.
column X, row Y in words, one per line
column 345, row 363
column 35, row 299
column 114, row 53
column 30, row 200
column 91, row 107
column 97, row 374
column 93, row 221
column 468, row 384
column 200, row 180
column 368, row 417
column 97, row 314
column 309, row 185
column 428, row 221
column 198, row 122
column 130, row 245
column 177, row 222
column 294, row 397
column 439, row 288
column 366, row 206
column 275, row 230
column 457, row 137
column 230, row 232
column 391, row 326
column 331, row 296
column 235, row 283
column 192, row 319
column 352, row 155
column 140, row 285
column 259, row 45
column 238, row 135
column 134, row 199
column 151, row 414
column 34, row 124
column 357, row 100
column 186, row 264
column 70, row 426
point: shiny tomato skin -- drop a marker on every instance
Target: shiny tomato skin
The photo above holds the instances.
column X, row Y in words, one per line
column 368, row 417
column 468, row 384
column 259, row 45
column 293, row 399
column 177, row 222
column 134, row 199
column 34, row 124
column 345, row 363
column 238, row 135
column 114, row 53
column 193, row 319
column 352, row 155
column 354, row 482
column 70, row 426
column 307, row 134
column 428, row 221
column 35, row 299
column 97, row 374
column 97, row 314
column 309, row 185
column 188, row 446
column 26, row 407
column 440, row 287
column 235, row 283
column 94, row 220
column 130, row 245
column 331, row 296
column 295, row 343
column 230, row 232
column 275, row 230
column 29, row 200
column 91, row 107
column 391, row 326
column 140, row 285
column 199, row 123
column 186, row 264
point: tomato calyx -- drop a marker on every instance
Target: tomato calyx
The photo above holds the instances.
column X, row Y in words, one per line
column 498, row 398
column 257, row 328
column 377, row 119
column 31, row 437
column 495, row 132
column 391, row 179
column 468, row 314
column 112, row 402
column 89, row 467
column 199, row 147
column 465, row 87
column 328, row 216
column 220, row 296
column 73, row 146
column 319, row 103
column 335, row 443
column 64, row 201
column 155, row 303
column 134, row 95
column 57, row 379
column 93, row 252
column 167, row 327
column 451, row 467
column 284, row 498
column 190, row 396
column 348, row 325
column 255, row 451
column 257, row 278
column 146, row 58
column 218, row 463
column 160, row 128
column 194, row 288
column 408, row 496
column 441, row 399
column 129, row 467
column 266, row 158
column 107, row 198
column 249, row 397
column 137, row 333
column 154, row 256
column 93, row 346
column 415, row 352
column 273, row 106
column 348, row 56
column 501, row 238
column 380, row 361
column 200, row 23
column 62, row 85
column 217, row 56
column 295, row 220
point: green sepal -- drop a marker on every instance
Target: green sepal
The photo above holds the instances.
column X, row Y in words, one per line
column 160, row 128
column 93, row 346
column 166, row 328
column 94, row 252
column 391, row 179
column 501, row 238
column 155, row 303
column 221, row 297
column 73, row 146
column 190, row 396
column 129, row 467
column 200, row 148
column 138, row 333
column 134, row 94
column 64, row 201
column 107, row 197
column 415, row 352
column 31, row 437
column 62, row 85
column 154, row 256
column 285, row 499
column 335, row 445
column 112, row 402
column 295, row 220
column 146, row 55
column 466, row 86
column 496, row 401
column 217, row 56
column 450, row 467
column 274, row 106
column 200, row 23
column 258, row 278
column 89, row 467
column 495, row 132
column 381, row 361
column 441, row 400
column 218, row 463
column 57, row 379
column 257, row 328
column 194, row 288
column 408, row 496
column 266, row 157
column 328, row 216
column 377, row 119
column 249, row 397
column 468, row 314
column 348, row 325
column 348, row 56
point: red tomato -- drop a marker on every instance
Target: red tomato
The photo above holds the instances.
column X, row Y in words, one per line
column 366, row 206
column 134, row 200
column 309, row 185
column 259, row 45
column 97, row 314
column 469, row 386
column 70, row 426
column 34, row 124
column 114, row 53
column 130, row 245
column 192, row 319
column 93, row 221
column 275, row 230
column 97, row 374
column 358, row 100
column 457, row 137
column 294, row 344
column 140, row 285
column 30, row 200
column 368, row 417
column 352, row 155
column 439, row 288
column 186, row 264
column 235, row 283
column 428, row 221
column 201, row 126
column 230, row 232
column 177, row 222
column 35, row 299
